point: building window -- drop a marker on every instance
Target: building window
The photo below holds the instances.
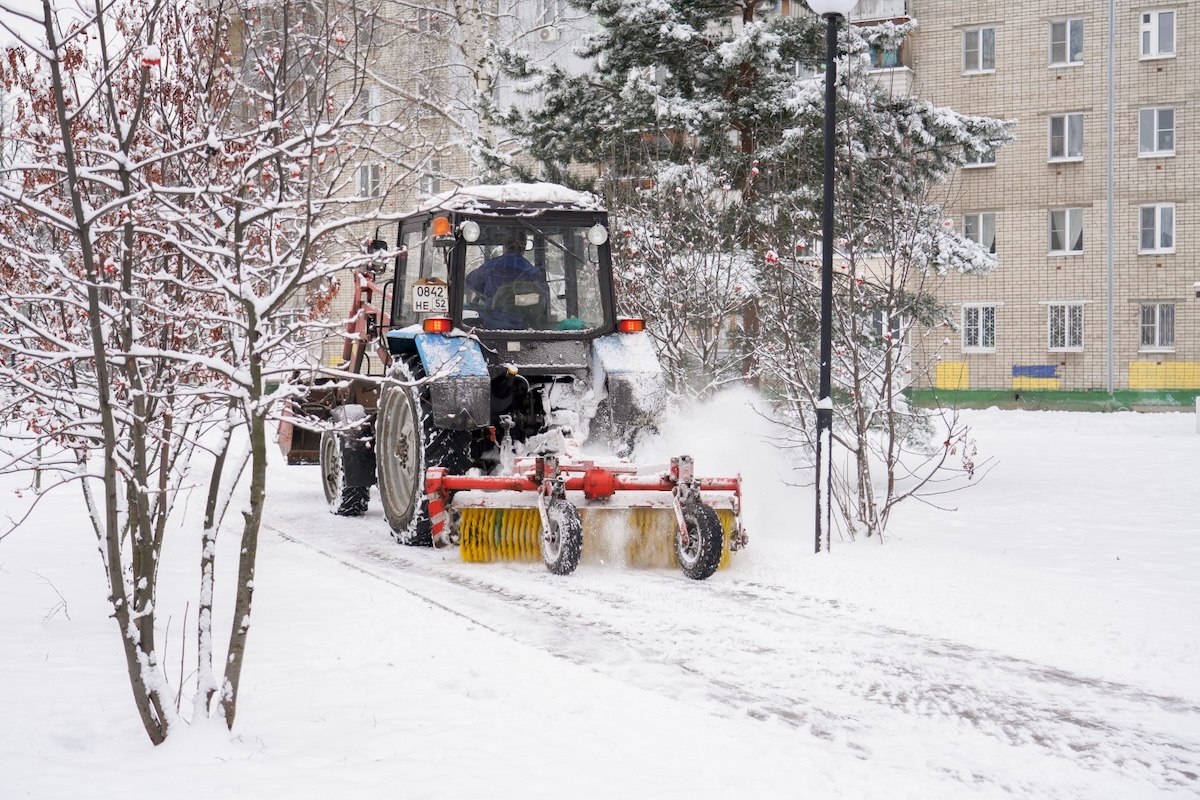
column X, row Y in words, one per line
column 1158, row 34
column 369, row 29
column 1156, row 131
column 1066, row 42
column 1158, row 326
column 370, row 180
column 980, row 228
column 1157, row 229
column 889, row 328
column 369, row 104
column 888, row 58
column 430, row 21
column 551, row 12
column 1066, row 137
column 1066, row 326
column 796, row 69
column 431, row 181
column 979, row 50
column 1066, row 230
column 979, row 328
column 975, row 160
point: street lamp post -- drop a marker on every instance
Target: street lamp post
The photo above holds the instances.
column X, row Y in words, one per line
column 831, row 10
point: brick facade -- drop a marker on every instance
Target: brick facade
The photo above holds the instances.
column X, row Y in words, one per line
column 1025, row 184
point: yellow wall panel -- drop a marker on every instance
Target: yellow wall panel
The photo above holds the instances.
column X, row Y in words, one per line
column 953, row 375
column 1030, row 384
column 1167, row 375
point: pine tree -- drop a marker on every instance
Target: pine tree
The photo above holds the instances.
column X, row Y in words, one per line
column 683, row 93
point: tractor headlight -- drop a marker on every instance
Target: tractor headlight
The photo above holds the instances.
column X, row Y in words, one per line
column 469, row 230
column 597, row 234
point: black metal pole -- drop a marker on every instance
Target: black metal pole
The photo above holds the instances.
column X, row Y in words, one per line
column 824, row 469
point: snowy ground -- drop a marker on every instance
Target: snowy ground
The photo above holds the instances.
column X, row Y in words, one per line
column 1042, row 641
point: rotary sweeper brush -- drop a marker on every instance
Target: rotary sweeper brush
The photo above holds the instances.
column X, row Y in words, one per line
column 470, row 376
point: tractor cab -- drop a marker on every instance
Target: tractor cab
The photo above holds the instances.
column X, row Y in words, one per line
column 504, row 268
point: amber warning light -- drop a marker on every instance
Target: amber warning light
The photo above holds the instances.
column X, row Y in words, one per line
column 437, row 325
column 443, row 236
column 629, row 325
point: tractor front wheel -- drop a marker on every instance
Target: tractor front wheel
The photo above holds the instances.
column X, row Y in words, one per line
column 701, row 556
column 343, row 500
column 562, row 544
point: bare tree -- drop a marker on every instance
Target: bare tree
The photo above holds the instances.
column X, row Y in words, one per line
column 896, row 156
column 190, row 180
column 680, row 262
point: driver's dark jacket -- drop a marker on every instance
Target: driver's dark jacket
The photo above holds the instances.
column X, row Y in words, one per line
column 502, row 270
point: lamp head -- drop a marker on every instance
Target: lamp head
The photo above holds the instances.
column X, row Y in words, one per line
column 823, row 8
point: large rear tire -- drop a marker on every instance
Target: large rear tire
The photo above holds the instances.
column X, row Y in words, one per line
column 400, row 460
column 706, row 542
column 563, row 544
column 343, row 500
column 406, row 443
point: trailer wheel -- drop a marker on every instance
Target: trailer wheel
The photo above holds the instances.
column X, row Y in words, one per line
column 706, row 541
column 563, row 543
column 343, row 500
column 406, row 443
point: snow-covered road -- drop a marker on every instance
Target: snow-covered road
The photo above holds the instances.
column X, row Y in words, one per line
column 735, row 646
column 1042, row 642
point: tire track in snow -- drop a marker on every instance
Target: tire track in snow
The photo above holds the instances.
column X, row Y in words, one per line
column 833, row 674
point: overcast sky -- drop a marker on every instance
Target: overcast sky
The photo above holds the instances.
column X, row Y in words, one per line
column 12, row 24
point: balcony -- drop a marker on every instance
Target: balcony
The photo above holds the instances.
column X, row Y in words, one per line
column 875, row 10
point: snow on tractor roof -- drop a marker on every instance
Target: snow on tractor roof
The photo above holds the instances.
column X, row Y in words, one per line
column 512, row 195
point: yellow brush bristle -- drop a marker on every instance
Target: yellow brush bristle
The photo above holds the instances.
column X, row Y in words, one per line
column 512, row 534
column 499, row 534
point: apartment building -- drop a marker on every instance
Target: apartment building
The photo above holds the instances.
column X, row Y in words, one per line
column 1091, row 212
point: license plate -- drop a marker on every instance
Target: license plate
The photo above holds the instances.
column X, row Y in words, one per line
column 431, row 298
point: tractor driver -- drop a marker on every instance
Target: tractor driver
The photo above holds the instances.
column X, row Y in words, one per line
column 514, row 290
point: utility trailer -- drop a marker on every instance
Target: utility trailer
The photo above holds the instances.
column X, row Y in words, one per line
column 480, row 362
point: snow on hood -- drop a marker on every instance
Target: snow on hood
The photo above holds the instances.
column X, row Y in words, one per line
column 469, row 198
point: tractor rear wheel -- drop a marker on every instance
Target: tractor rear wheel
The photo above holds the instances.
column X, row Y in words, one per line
column 400, row 460
column 406, row 443
column 701, row 556
column 563, row 543
column 343, row 500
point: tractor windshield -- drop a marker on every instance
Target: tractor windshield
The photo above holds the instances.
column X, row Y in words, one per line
column 525, row 276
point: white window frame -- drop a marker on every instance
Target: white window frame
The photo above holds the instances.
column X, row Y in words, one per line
column 982, row 161
column 1161, row 228
column 552, row 12
column 1064, row 142
column 1068, row 317
column 1072, row 222
column 368, row 180
column 978, row 328
column 1158, row 320
column 893, row 328
column 979, row 51
column 431, row 181
column 980, row 227
column 370, row 104
column 1067, row 58
column 1153, row 117
column 1151, row 45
